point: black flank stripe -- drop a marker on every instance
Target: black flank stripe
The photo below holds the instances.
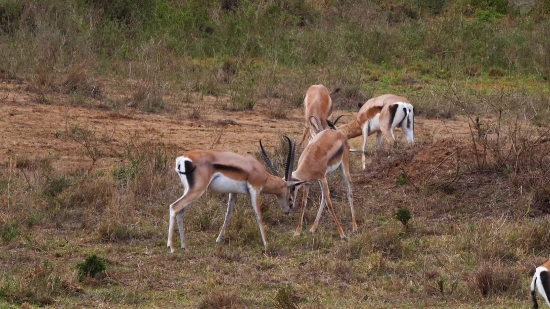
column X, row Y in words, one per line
column 189, row 169
column 393, row 110
column 337, row 153
column 227, row 168
column 544, row 279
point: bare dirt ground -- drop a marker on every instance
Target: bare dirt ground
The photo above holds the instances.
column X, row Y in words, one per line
column 30, row 129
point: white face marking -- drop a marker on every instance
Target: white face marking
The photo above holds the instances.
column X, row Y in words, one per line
column 223, row 184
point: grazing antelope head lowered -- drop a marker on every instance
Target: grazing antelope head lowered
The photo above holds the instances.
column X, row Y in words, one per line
column 381, row 115
column 318, row 103
column 229, row 172
column 325, row 152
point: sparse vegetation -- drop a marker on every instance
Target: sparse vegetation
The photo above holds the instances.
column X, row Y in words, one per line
column 476, row 178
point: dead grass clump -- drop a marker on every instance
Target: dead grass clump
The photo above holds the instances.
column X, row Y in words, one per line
column 147, row 97
column 493, row 280
column 535, row 237
column 285, row 299
column 80, row 81
column 217, row 299
column 39, row 284
column 112, row 231
column 387, row 240
column 90, row 193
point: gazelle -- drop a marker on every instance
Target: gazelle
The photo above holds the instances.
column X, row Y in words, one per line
column 318, row 103
column 381, row 115
column 542, row 282
column 228, row 172
column 327, row 151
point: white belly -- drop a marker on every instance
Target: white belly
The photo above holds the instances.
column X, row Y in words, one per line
column 222, row 184
column 332, row 168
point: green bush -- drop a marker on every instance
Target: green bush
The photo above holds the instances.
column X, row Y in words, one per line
column 90, row 267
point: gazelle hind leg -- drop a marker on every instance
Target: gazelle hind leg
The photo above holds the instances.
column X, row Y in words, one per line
column 229, row 212
column 302, row 210
column 364, row 153
column 346, row 176
column 320, row 211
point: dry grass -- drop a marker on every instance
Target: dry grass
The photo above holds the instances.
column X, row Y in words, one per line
column 473, row 237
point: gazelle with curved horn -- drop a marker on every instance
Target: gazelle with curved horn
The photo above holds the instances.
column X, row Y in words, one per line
column 381, row 115
column 229, row 172
column 318, row 103
column 327, row 151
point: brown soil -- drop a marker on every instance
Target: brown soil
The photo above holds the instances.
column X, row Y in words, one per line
column 30, row 129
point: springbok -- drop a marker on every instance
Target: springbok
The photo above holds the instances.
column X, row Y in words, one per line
column 317, row 103
column 326, row 151
column 381, row 115
column 542, row 282
column 228, row 172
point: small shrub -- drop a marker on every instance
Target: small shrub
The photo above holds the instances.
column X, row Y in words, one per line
column 401, row 179
column 90, row 267
column 403, row 215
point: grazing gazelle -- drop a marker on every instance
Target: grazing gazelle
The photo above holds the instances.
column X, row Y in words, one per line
column 228, row 172
column 318, row 103
column 542, row 282
column 327, row 151
column 381, row 115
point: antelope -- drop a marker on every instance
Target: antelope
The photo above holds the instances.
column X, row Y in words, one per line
column 381, row 115
column 326, row 151
column 229, row 172
column 542, row 282
column 318, row 103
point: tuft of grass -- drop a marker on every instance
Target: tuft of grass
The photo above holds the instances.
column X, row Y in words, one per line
column 284, row 299
column 220, row 300
column 90, row 267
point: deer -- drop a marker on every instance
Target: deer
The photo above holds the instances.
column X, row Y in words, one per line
column 317, row 103
column 542, row 282
column 325, row 152
column 229, row 172
column 381, row 115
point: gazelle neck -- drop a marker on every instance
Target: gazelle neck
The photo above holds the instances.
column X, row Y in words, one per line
column 274, row 185
column 351, row 129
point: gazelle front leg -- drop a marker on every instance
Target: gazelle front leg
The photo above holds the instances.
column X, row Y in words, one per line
column 230, row 203
column 255, row 200
column 302, row 210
